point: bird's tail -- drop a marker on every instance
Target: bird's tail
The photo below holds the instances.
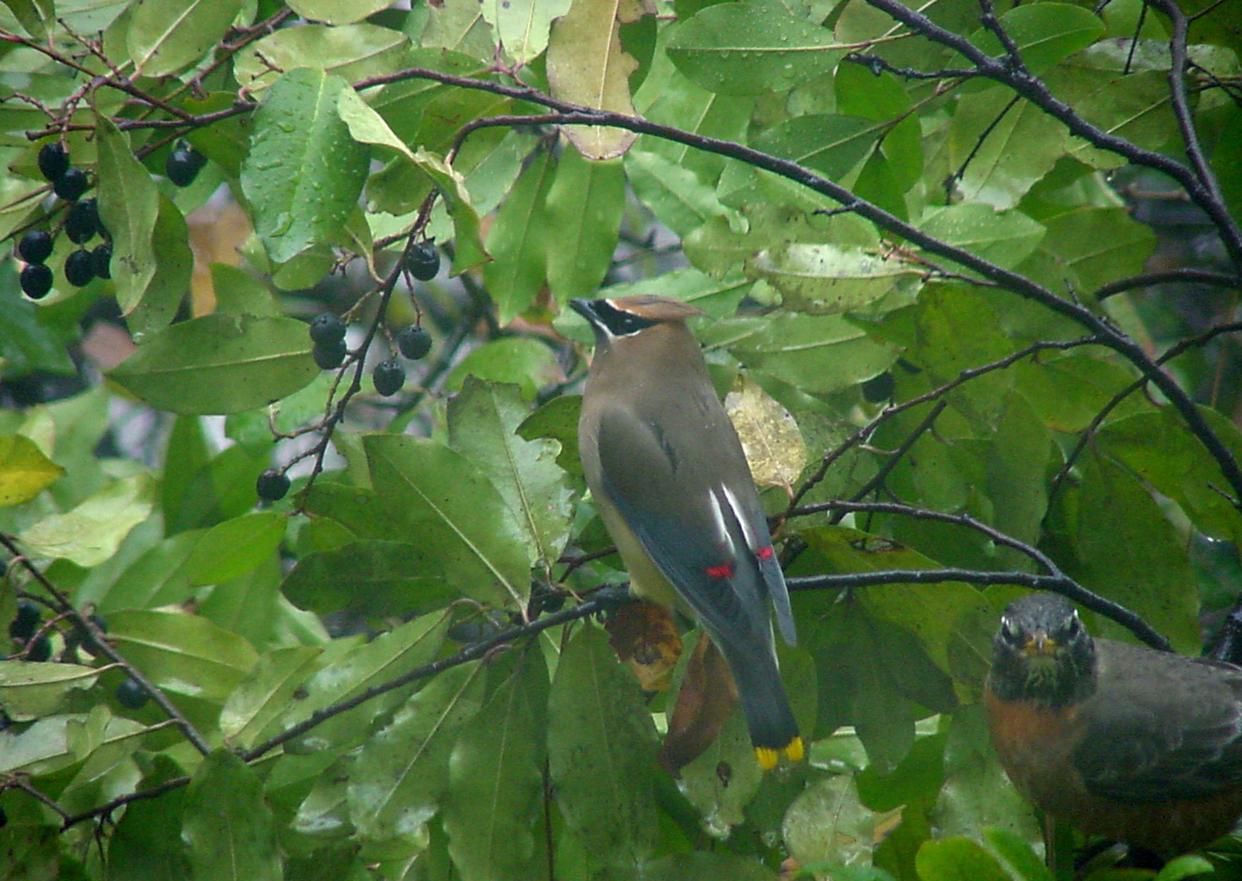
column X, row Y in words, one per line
column 773, row 730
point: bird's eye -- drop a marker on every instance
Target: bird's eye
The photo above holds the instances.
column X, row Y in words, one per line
column 1074, row 627
column 1009, row 629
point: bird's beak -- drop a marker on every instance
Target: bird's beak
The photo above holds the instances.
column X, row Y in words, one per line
column 583, row 308
column 1039, row 644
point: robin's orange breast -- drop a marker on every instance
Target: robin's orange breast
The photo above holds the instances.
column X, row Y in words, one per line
column 1036, row 746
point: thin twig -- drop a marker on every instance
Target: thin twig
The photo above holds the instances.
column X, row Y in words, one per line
column 100, row 640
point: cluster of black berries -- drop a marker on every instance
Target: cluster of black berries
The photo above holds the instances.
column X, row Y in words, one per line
column 183, row 164
column 28, row 622
column 81, row 225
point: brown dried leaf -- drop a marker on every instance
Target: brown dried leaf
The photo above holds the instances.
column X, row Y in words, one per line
column 704, row 703
column 645, row 638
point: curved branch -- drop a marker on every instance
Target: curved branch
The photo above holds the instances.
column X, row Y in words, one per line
column 1062, row 584
column 1204, row 192
column 1185, row 275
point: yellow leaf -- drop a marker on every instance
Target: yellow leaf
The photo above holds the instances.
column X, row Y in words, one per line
column 587, row 66
column 24, row 470
column 770, row 437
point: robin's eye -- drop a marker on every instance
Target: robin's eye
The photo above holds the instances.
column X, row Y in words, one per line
column 1010, row 630
column 1074, row 627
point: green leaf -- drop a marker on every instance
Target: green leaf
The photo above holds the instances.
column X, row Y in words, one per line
column 584, row 205
column 483, row 422
column 34, row 15
column 264, row 695
column 385, row 578
column 1017, row 855
column 1005, row 238
column 713, row 866
column 674, row 193
column 436, row 493
column 348, row 669
column 350, row 52
column 24, row 470
column 817, row 353
column 129, row 205
column 182, row 653
column 522, row 26
column 496, row 775
column 586, row 65
column 31, row 690
column 522, row 361
column 234, row 547
column 92, row 531
column 1153, row 577
column 227, row 826
column 166, row 36
column 160, row 297
column 751, row 48
column 368, row 127
column 831, row 144
column 304, row 172
column 1000, row 150
column 518, row 241
column 601, row 745
column 1188, row 866
column 1092, row 246
column 826, row 279
column 828, row 824
column 1157, row 448
column 219, row 364
column 957, row 859
column 398, row 781
column 146, row 843
column 557, row 419
column 337, row 11
column 57, row 742
column 1045, row 33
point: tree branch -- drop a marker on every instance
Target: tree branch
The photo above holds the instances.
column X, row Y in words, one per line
column 1062, row 584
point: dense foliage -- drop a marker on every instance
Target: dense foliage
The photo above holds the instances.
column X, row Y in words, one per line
column 302, row 580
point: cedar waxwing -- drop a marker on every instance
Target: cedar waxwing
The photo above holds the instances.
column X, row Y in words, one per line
column 671, row 483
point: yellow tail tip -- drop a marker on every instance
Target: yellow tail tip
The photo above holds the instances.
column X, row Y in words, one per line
column 769, row 758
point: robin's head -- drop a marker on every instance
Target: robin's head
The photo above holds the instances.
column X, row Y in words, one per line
column 1042, row 653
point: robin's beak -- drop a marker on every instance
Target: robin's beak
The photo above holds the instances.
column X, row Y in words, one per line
column 1039, row 644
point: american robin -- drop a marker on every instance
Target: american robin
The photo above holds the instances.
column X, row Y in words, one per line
column 1131, row 743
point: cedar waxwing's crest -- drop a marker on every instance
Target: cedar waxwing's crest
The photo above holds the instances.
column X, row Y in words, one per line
column 670, row 480
column 626, row 316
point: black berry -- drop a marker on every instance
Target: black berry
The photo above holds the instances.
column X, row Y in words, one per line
column 423, row 261
column 327, row 328
column 84, row 637
column 101, row 260
column 132, row 695
column 70, row 185
column 53, row 160
column 879, row 388
column 183, row 165
column 389, row 376
column 27, row 620
column 414, row 342
column 36, row 281
column 39, row 650
column 271, row 485
column 35, row 246
column 83, row 221
column 79, row 268
column 329, row 355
